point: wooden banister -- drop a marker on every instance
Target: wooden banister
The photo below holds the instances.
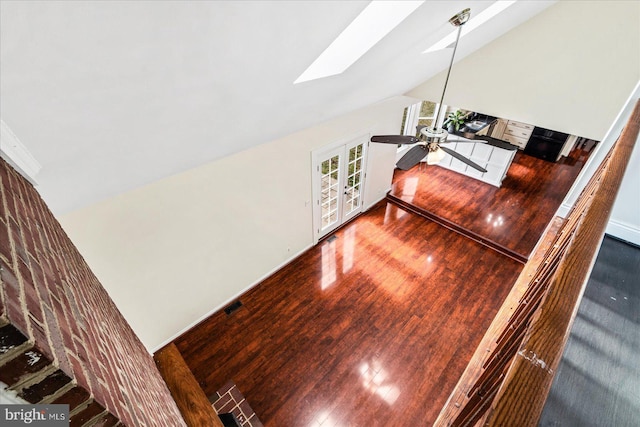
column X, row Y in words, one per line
column 521, row 398
column 509, row 377
column 191, row 400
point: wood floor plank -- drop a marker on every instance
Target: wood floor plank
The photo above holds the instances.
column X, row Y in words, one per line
column 513, row 216
column 373, row 326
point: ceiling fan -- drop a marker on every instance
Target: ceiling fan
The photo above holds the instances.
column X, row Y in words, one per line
column 431, row 137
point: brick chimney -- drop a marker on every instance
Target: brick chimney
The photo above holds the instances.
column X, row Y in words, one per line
column 62, row 339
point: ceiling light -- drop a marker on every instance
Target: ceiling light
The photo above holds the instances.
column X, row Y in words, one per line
column 374, row 22
column 474, row 23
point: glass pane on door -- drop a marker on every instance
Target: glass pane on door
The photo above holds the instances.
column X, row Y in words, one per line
column 353, row 197
column 330, row 190
column 338, row 177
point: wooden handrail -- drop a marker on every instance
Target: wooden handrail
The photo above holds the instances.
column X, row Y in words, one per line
column 191, row 400
column 508, row 378
column 524, row 391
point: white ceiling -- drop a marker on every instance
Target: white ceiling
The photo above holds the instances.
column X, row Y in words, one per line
column 109, row 96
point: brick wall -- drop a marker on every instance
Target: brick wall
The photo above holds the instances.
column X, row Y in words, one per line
column 62, row 339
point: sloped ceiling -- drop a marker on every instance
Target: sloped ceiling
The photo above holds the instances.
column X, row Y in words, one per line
column 565, row 69
column 109, row 96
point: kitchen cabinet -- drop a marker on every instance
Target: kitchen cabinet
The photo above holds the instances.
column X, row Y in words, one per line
column 498, row 128
column 513, row 132
column 517, row 133
column 494, row 159
column 483, row 132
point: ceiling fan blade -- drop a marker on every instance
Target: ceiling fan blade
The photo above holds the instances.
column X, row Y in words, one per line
column 412, row 157
column 395, row 139
column 462, row 159
column 482, row 141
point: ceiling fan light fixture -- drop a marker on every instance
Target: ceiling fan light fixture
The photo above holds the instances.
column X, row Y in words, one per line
column 434, row 157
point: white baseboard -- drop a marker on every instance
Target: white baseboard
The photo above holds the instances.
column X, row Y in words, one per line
column 615, row 228
column 245, row 290
column 620, row 230
column 624, row 232
column 563, row 210
column 230, row 300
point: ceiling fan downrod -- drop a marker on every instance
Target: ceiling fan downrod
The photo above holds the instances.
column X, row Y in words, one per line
column 433, row 134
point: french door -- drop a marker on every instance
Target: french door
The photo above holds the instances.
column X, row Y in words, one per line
column 338, row 185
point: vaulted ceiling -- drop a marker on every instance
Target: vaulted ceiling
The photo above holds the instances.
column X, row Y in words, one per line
column 109, row 96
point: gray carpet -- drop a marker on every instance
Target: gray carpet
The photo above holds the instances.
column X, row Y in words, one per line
column 598, row 380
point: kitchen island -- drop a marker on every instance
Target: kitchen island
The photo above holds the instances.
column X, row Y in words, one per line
column 492, row 154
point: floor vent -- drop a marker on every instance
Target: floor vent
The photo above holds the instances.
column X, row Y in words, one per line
column 233, row 307
column 332, row 238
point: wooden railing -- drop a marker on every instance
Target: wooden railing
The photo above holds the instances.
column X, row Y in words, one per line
column 193, row 404
column 509, row 377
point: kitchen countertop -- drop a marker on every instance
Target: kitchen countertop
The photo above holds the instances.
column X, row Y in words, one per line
column 489, row 140
column 469, row 133
column 495, row 161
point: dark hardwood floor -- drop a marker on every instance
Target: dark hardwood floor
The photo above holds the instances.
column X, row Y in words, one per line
column 513, row 216
column 374, row 326
column 371, row 328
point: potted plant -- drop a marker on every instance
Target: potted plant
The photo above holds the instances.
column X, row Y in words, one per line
column 454, row 121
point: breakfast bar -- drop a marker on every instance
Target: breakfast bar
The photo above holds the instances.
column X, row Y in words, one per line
column 490, row 153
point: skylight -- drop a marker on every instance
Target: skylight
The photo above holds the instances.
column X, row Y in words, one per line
column 374, row 22
column 473, row 23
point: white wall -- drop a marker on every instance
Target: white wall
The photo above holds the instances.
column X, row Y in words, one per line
column 178, row 249
column 625, row 217
column 624, row 222
column 569, row 68
column 175, row 250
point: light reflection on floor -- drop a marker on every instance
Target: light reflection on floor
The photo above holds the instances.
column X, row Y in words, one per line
column 349, row 244
column 323, row 419
column 329, row 257
column 496, row 221
column 410, row 186
column 393, row 213
column 375, row 380
column 409, row 189
column 402, row 262
column 329, row 275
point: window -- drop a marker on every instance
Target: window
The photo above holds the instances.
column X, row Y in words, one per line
column 422, row 113
column 354, row 171
column 329, row 190
column 427, row 113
